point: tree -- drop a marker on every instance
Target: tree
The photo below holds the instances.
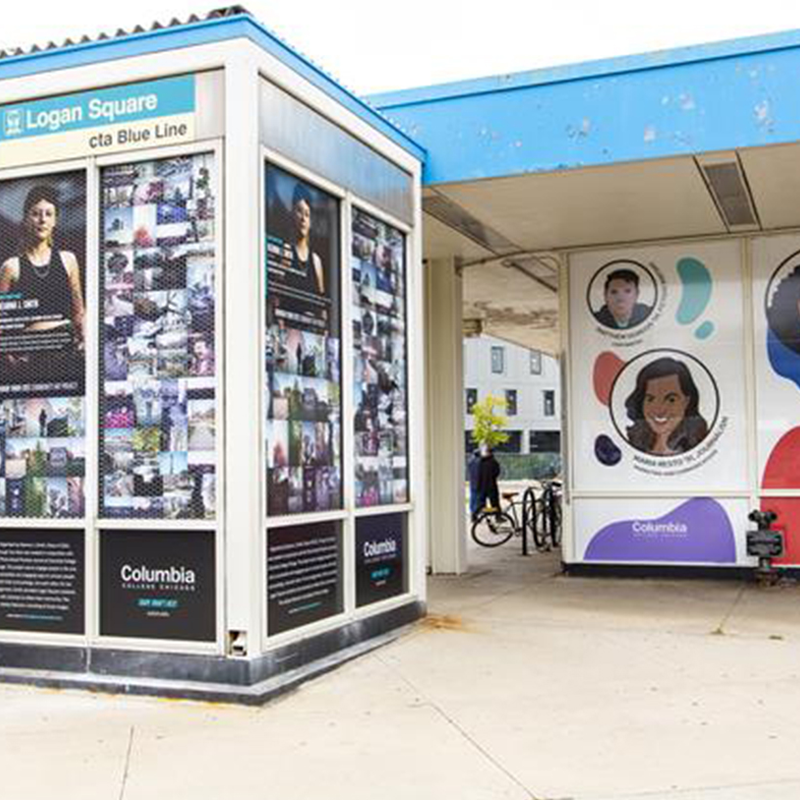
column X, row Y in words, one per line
column 489, row 423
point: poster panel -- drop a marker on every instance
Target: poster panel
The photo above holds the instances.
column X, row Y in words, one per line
column 693, row 530
column 381, row 557
column 42, row 580
column 304, row 575
column 302, row 347
column 42, row 351
column 776, row 317
column 657, row 375
column 158, row 364
column 380, row 369
column 158, row 585
column 776, row 323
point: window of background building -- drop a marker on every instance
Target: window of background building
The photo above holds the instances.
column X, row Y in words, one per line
column 536, row 362
column 472, row 398
column 511, row 402
column 498, row 360
column 544, row 441
column 549, row 402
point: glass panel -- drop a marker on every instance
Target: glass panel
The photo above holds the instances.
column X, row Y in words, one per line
column 302, row 347
column 42, row 357
column 379, row 344
column 472, row 398
column 157, row 371
column 536, row 362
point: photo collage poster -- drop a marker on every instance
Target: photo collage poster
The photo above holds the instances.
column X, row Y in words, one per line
column 302, row 347
column 42, row 346
column 380, row 374
column 658, row 402
column 158, row 365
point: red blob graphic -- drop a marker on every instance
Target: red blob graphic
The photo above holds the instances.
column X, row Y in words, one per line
column 606, row 368
column 788, row 511
column 783, row 467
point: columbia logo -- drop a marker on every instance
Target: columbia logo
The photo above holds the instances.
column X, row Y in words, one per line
column 12, row 122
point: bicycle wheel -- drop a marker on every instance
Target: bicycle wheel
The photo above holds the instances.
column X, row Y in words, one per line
column 529, row 513
column 493, row 528
column 539, row 524
column 555, row 533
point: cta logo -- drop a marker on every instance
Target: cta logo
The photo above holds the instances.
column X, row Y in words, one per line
column 12, row 122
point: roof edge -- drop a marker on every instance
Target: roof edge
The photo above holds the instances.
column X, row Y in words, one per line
column 729, row 48
column 232, row 26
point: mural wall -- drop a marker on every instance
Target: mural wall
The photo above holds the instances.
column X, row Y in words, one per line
column 658, row 380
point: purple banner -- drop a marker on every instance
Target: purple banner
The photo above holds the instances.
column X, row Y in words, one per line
column 698, row 530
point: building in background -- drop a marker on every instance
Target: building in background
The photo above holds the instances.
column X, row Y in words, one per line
column 529, row 383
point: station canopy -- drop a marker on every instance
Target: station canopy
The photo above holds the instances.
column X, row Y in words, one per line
column 521, row 168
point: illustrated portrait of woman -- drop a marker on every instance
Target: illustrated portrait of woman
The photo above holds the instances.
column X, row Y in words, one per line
column 49, row 275
column 783, row 310
column 305, row 262
column 664, row 410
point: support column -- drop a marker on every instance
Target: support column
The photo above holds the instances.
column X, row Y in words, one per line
column 244, row 554
column 447, row 544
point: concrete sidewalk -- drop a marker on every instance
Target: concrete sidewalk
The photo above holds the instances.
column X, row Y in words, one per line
column 522, row 683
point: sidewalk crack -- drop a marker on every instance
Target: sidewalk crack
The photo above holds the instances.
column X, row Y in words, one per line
column 127, row 764
column 720, row 629
column 463, row 733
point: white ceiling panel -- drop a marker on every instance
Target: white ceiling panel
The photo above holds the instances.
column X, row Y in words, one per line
column 441, row 241
column 512, row 306
column 625, row 202
column 774, row 177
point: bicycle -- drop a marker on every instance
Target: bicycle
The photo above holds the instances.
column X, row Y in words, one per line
column 548, row 516
column 495, row 526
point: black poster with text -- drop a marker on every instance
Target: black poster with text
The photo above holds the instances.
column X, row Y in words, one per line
column 42, row 581
column 304, row 575
column 158, row 585
column 380, row 558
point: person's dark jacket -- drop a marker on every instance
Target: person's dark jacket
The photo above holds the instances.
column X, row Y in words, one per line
column 638, row 315
column 488, row 473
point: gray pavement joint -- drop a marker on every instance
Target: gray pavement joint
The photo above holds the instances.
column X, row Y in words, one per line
column 126, row 769
column 720, row 629
column 460, row 730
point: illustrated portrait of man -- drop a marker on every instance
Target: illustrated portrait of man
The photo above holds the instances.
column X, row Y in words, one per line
column 621, row 308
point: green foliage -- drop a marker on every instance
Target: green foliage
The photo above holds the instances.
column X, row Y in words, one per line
column 489, row 422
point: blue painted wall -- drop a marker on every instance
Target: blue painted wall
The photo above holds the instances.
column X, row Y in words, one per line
column 736, row 94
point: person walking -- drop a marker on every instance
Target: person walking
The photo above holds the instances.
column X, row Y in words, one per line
column 488, row 473
column 473, row 469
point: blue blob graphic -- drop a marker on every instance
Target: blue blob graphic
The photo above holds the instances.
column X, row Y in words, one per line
column 606, row 452
column 697, row 284
column 785, row 362
column 705, row 330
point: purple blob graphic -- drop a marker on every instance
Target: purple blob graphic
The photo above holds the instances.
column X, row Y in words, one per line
column 606, row 452
column 785, row 362
column 698, row 530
